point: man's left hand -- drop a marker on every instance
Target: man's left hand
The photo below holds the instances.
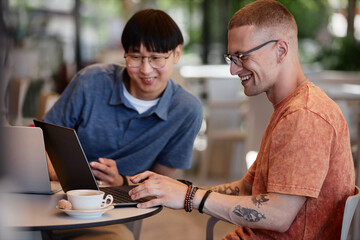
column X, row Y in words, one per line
column 106, row 172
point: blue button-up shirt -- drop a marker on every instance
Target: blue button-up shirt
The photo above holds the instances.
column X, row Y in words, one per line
column 109, row 126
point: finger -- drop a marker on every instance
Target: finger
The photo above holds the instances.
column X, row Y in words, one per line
column 141, row 177
column 107, row 161
column 98, row 166
column 227, row 237
column 102, row 177
column 142, row 190
column 245, row 233
column 98, row 174
column 149, row 189
column 151, row 203
column 103, row 168
column 134, row 190
column 232, row 236
column 148, row 183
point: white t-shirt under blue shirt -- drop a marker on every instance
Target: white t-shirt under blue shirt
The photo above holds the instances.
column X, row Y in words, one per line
column 140, row 105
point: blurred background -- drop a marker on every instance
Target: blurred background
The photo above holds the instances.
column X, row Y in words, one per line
column 43, row 43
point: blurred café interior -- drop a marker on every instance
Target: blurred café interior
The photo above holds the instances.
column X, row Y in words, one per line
column 45, row 42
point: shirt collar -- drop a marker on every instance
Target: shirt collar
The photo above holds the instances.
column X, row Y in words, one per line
column 161, row 109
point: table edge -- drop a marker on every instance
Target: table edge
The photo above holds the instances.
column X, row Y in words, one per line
column 92, row 224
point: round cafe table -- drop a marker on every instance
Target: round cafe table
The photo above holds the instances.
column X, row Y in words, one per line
column 36, row 212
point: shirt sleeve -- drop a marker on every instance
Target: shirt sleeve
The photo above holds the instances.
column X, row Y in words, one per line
column 250, row 174
column 66, row 111
column 300, row 154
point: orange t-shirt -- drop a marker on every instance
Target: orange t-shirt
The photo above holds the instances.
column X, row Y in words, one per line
column 306, row 151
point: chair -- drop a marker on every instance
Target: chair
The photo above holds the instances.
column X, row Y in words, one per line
column 350, row 207
column 210, row 228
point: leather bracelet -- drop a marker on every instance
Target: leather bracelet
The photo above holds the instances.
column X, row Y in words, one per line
column 202, row 203
column 188, row 183
column 125, row 181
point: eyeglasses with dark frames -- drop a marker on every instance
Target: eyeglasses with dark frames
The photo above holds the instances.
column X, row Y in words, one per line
column 235, row 59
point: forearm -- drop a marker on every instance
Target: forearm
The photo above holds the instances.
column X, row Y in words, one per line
column 52, row 174
column 267, row 211
column 236, row 188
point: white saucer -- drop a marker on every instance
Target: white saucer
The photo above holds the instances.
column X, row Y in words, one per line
column 86, row 213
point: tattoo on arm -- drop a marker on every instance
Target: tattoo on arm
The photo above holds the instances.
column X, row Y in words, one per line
column 248, row 214
column 227, row 189
column 259, row 199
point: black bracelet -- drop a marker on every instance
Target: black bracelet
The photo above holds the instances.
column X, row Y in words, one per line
column 125, row 181
column 185, row 182
column 202, row 203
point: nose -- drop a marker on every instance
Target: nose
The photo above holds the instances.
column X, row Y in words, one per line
column 145, row 66
column 235, row 68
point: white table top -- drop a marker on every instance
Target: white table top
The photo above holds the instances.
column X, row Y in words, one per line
column 38, row 212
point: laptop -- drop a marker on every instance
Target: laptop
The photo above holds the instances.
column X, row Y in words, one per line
column 71, row 165
column 25, row 161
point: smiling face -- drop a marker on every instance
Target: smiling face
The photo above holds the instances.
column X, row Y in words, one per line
column 258, row 70
column 146, row 82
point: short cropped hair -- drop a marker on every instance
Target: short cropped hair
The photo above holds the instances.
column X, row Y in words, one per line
column 153, row 28
column 266, row 14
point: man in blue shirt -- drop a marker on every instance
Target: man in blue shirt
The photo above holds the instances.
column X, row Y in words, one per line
column 134, row 118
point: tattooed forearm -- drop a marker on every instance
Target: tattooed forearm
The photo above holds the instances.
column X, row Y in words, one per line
column 227, row 189
column 248, row 214
column 259, row 199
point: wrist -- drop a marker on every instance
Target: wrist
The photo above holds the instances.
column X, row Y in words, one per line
column 125, row 182
column 198, row 197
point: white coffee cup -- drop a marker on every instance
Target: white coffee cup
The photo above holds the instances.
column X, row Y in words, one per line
column 86, row 199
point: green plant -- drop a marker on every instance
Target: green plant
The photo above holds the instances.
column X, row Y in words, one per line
column 343, row 55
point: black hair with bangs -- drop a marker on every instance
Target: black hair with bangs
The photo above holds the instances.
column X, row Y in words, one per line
column 153, row 28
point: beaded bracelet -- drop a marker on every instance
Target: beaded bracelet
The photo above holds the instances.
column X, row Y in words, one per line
column 187, row 198
column 191, row 197
column 202, row 203
column 190, row 193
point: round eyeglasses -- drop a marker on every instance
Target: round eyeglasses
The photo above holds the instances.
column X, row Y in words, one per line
column 155, row 61
column 239, row 59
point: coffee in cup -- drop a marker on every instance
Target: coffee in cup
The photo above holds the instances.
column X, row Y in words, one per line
column 87, row 199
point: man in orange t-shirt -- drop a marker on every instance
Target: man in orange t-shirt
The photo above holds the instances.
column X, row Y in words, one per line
column 304, row 172
column 306, row 152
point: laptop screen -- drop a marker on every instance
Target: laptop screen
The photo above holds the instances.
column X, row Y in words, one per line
column 67, row 157
column 26, row 165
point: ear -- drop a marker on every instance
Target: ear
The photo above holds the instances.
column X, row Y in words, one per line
column 283, row 49
column 177, row 53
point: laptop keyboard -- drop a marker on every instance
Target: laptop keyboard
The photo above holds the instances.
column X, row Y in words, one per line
column 121, row 194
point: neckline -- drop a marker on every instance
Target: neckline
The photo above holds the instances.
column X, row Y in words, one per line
column 301, row 82
column 276, row 106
